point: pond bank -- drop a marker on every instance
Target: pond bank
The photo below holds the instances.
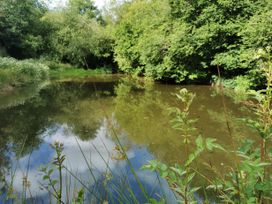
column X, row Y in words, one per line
column 19, row 73
column 71, row 73
column 16, row 73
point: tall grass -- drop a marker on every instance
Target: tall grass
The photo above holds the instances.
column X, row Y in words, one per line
column 61, row 71
column 73, row 73
column 18, row 73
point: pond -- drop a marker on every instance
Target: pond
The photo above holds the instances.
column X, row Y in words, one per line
column 96, row 117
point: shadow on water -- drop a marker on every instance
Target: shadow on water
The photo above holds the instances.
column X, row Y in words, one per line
column 82, row 114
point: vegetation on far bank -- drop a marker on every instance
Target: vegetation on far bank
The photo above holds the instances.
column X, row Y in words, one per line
column 17, row 73
column 171, row 40
column 76, row 73
column 186, row 41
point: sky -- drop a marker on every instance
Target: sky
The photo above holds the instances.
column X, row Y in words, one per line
column 60, row 3
column 100, row 3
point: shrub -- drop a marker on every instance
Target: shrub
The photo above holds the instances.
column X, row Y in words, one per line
column 16, row 73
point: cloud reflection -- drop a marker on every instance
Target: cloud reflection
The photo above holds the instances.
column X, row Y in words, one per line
column 97, row 152
column 93, row 150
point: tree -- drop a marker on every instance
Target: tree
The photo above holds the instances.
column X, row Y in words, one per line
column 22, row 33
column 185, row 40
column 141, row 37
column 78, row 36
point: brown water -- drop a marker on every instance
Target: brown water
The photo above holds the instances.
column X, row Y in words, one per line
column 82, row 114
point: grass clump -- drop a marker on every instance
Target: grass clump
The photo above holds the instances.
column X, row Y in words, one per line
column 58, row 70
column 18, row 73
column 71, row 72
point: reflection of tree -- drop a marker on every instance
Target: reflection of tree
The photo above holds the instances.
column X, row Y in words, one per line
column 22, row 124
column 4, row 161
column 72, row 103
column 238, row 128
column 142, row 113
column 83, row 106
column 140, row 110
column 84, row 116
column 20, row 95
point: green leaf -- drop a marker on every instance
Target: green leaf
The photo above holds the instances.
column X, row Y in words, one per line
column 46, row 177
column 54, row 182
column 199, row 142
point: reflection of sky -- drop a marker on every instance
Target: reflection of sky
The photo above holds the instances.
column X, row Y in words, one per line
column 96, row 149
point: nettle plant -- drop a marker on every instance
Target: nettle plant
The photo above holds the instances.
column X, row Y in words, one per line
column 180, row 176
column 262, row 109
column 53, row 178
column 249, row 179
column 54, row 185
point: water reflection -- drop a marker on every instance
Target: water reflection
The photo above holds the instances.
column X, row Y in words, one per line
column 144, row 116
column 98, row 153
column 81, row 115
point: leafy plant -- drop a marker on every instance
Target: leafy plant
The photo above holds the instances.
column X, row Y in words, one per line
column 79, row 199
column 48, row 171
column 181, row 176
column 250, row 180
column 246, row 182
column 180, row 120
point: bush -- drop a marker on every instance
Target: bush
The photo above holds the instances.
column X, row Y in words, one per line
column 16, row 73
column 54, row 64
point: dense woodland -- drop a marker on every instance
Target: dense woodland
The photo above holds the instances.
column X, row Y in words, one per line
column 172, row 40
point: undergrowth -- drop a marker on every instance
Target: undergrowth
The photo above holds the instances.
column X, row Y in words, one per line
column 18, row 73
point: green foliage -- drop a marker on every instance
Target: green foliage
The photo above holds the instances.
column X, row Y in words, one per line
column 237, row 88
column 83, row 7
column 185, row 40
column 214, row 33
column 78, row 37
column 56, row 184
column 262, row 109
column 71, row 72
column 179, row 40
column 80, row 197
column 258, row 30
column 74, row 34
column 180, row 119
column 23, row 34
column 16, row 73
column 136, row 50
column 176, row 40
column 180, row 177
column 248, row 180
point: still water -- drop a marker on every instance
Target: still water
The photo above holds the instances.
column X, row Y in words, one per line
column 90, row 117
